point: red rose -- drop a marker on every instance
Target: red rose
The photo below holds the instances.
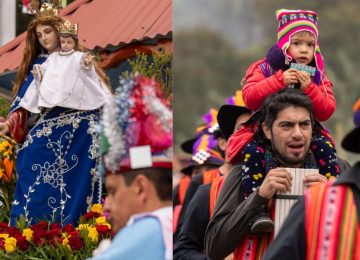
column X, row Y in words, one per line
column 4, row 226
column 51, row 236
column 22, row 243
column 42, row 225
column 76, row 243
column 68, row 228
column 39, row 237
column 2, row 243
column 46, row 236
column 74, row 233
column 103, row 230
column 14, row 232
column 55, row 226
column 54, row 241
column 91, row 214
column 53, row 233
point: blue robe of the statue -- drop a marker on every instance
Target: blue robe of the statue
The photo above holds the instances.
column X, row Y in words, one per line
column 56, row 165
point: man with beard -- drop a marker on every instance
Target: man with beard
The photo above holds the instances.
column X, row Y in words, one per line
column 285, row 129
column 324, row 223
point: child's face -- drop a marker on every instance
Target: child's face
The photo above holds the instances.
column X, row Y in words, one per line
column 67, row 43
column 302, row 47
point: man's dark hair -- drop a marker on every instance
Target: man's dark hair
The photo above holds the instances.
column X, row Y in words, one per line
column 283, row 99
column 160, row 177
column 279, row 101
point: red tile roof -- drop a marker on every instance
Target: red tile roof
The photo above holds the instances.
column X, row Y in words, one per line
column 105, row 23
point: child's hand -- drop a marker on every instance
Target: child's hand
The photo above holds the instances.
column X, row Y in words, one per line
column 87, row 61
column 290, row 77
column 88, row 58
column 304, row 79
column 36, row 72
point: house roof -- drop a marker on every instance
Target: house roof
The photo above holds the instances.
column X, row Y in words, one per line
column 105, row 24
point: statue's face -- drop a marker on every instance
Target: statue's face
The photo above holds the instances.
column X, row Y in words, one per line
column 48, row 37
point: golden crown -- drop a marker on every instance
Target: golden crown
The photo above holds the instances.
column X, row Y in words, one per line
column 47, row 8
column 67, row 27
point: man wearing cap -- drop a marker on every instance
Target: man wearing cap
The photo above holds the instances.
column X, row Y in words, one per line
column 325, row 223
column 190, row 244
column 137, row 155
column 285, row 128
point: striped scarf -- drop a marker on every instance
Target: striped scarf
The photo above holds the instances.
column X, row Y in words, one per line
column 331, row 223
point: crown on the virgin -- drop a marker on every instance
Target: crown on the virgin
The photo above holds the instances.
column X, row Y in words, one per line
column 46, row 8
column 68, row 28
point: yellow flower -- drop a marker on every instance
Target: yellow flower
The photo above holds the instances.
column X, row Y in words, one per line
column 4, row 236
column 65, row 241
column 10, row 244
column 100, row 220
column 1, row 172
column 83, row 226
column 27, row 232
column 107, row 224
column 7, row 154
column 93, row 234
column 97, row 208
column 3, row 146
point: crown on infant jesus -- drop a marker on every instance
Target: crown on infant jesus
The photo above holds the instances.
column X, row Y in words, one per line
column 68, row 28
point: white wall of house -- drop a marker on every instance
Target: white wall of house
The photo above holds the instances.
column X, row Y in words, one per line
column 7, row 21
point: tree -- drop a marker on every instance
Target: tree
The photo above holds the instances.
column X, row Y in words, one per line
column 207, row 70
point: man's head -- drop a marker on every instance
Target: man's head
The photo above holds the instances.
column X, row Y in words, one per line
column 233, row 115
column 136, row 145
column 288, row 124
column 136, row 191
column 241, row 120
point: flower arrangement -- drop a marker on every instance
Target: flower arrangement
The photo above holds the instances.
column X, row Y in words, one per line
column 46, row 240
column 7, row 175
column 7, row 163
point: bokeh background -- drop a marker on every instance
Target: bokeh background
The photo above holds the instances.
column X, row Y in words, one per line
column 215, row 41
